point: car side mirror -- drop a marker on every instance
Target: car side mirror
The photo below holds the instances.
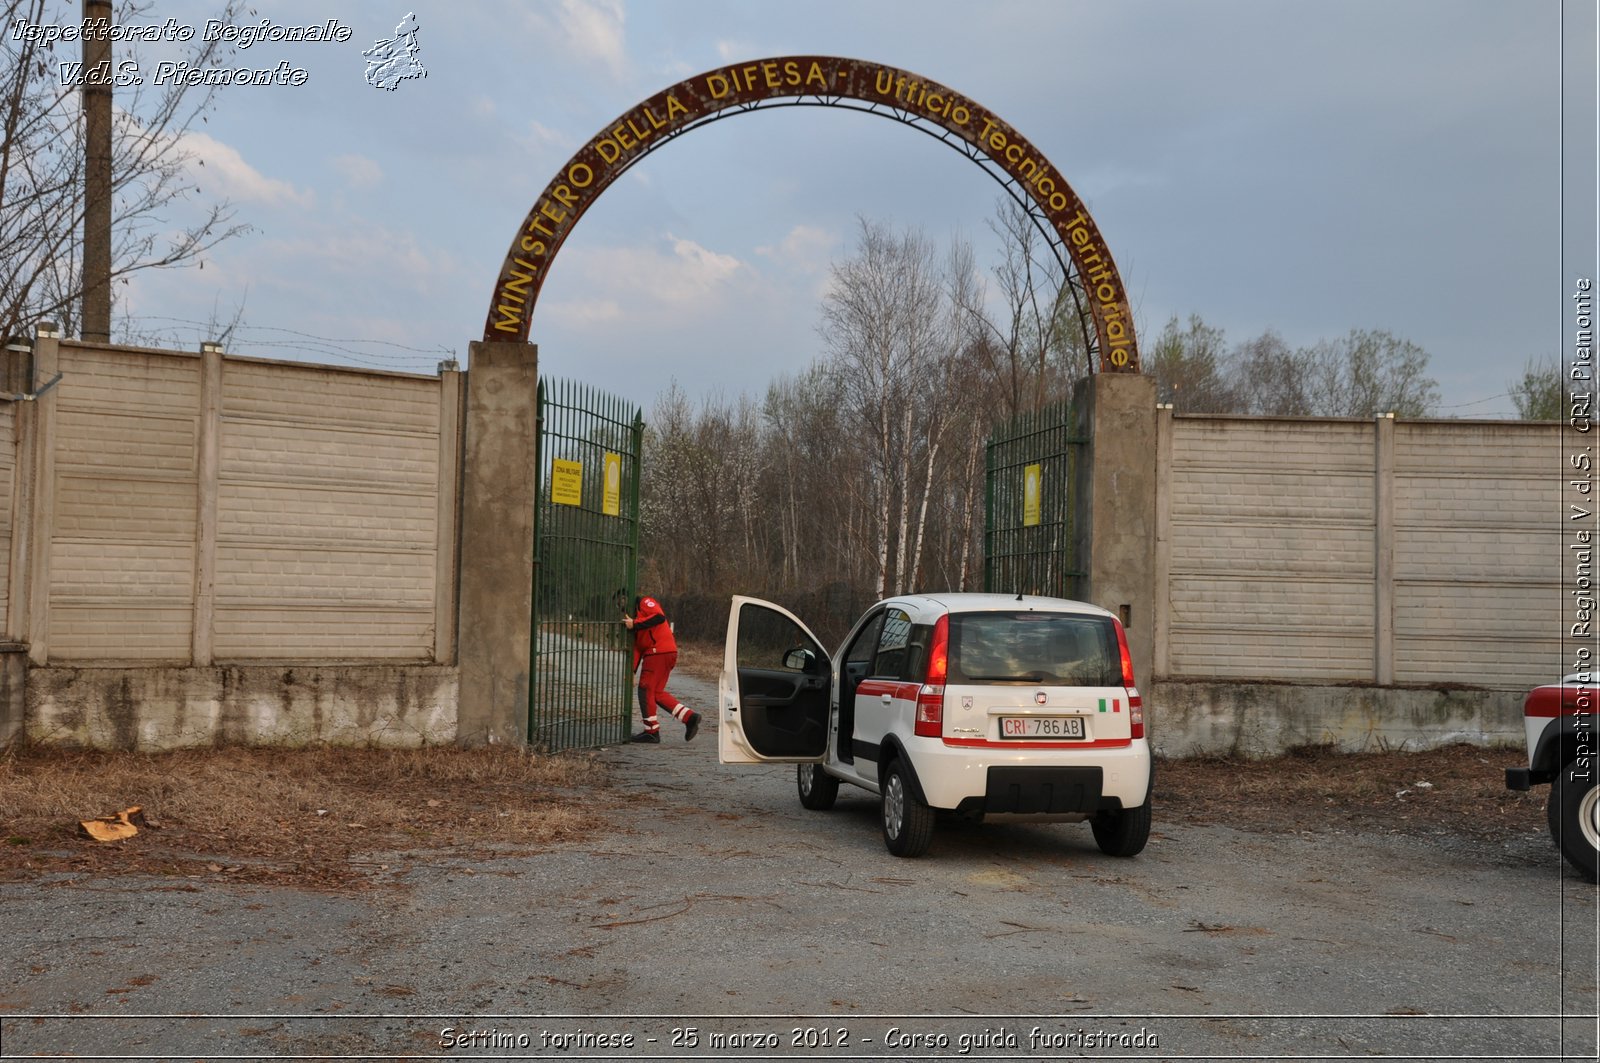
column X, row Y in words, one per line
column 800, row 659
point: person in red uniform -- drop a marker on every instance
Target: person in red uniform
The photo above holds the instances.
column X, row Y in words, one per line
column 657, row 651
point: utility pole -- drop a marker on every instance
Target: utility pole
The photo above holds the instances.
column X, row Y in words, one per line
column 97, row 171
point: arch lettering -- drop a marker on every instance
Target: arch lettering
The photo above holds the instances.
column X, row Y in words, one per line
column 819, row 79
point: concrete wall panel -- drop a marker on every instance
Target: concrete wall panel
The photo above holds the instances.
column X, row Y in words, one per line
column 1238, row 548
column 261, row 512
column 1502, row 556
column 290, row 393
column 327, row 514
column 282, row 452
column 1440, row 558
column 313, row 529
column 1270, row 552
column 124, row 510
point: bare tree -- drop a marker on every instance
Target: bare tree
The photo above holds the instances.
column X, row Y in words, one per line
column 886, row 325
column 41, row 168
column 1189, row 366
column 1034, row 347
column 811, row 461
column 1268, row 377
column 1541, row 393
column 1363, row 374
column 664, row 491
column 1369, row 373
column 701, row 505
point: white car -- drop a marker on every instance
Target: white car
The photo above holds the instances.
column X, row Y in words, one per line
column 1560, row 720
column 985, row 706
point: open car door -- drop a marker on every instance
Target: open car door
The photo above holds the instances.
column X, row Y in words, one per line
column 773, row 694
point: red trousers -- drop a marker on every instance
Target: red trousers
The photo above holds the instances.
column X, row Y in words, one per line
column 653, row 672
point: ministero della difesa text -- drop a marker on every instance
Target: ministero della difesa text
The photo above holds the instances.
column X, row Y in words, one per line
column 180, row 72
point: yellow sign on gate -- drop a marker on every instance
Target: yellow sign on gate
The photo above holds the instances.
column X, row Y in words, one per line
column 611, row 496
column 1031, row 476
column 566, row 482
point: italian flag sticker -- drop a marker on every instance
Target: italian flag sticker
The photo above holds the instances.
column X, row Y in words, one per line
column 1116, row 704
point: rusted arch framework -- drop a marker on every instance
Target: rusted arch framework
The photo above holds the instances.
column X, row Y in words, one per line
column 1093, row 282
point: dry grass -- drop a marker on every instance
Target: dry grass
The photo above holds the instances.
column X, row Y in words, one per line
column 700, row 660
column 303, row 816
column 1460, row 789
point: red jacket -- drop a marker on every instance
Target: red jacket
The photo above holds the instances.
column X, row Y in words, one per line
column 651, row 632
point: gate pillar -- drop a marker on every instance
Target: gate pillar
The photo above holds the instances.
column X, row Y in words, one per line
column 498, row 493
column 1116, row 491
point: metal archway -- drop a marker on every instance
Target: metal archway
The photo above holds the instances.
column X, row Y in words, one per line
column 810, row 80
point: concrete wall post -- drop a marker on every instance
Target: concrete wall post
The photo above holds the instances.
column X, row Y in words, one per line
column 42, row 471
column 1117, row 505
column 499, row 484
column 13, row 644
column 446, row 567
column 207, row 443
column 1162, row 665
column 23, row 491
column 1383, row 548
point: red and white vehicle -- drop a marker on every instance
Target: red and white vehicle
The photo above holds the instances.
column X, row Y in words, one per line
column 1560, row 720
column 987, row 706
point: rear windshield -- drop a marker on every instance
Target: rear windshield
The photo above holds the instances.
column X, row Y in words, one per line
column 1055, row 648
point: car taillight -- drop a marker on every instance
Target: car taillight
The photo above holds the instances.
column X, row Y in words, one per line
column 930, row 699
column 1135, row 702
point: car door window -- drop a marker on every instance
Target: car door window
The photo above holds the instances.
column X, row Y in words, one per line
column 783, row 689
column 858, row 657
column 772, row 642
column 894, row 646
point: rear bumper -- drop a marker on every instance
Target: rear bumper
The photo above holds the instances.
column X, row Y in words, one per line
column 1033, row 782
column 1039, row 792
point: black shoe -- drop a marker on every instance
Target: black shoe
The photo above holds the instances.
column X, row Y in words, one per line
column 692, row 728
column 647, row 736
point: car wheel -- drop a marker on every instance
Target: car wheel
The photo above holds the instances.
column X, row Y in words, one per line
column 1123, row 832
column 907, row 822
column 1574, row 814
column 817, row 788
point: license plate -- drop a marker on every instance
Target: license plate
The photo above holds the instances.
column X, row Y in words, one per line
column 1041, row 727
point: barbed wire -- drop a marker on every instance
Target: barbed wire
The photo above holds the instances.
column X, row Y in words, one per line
column 269, row 339
column 425, row 356
column 1475, row 402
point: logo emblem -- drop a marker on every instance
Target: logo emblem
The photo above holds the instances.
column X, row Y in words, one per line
column 966, row 701
column 395, row 60
column 1040, row 698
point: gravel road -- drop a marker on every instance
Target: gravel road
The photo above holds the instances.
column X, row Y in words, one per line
column 718, row 915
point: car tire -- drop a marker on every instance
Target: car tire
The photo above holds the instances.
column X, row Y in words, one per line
column 1123, row 832
column 818, row 789
column 1574, row 814
column 907, row 822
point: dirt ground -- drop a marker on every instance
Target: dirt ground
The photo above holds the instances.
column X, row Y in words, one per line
column 310, row 817
column 378, row 904
column 313, row 818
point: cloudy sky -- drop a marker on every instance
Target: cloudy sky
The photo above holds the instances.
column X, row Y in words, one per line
column 1268, row 164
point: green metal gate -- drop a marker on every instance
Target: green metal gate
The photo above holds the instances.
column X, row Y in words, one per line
column 585, row 567
column 1030, row 521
